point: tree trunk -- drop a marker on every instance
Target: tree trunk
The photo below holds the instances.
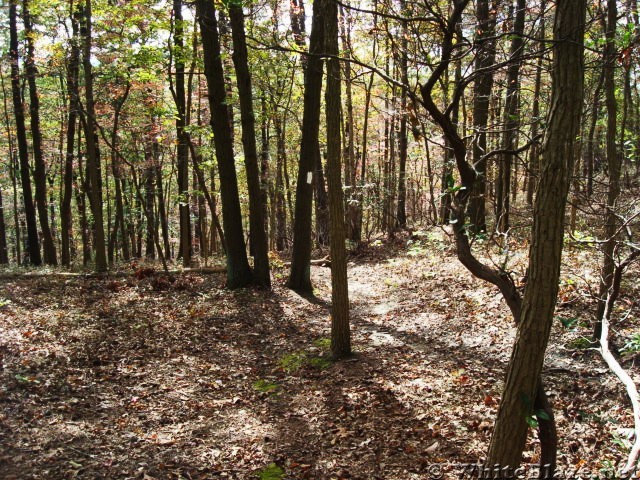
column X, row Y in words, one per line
column 401, row 213
column 238, row 271
column 300, row 275
column 149, row 194
column 182, row 145
column 264, row 164
column 614, row 166
column 13, row 168
column 483, row 84
column 33, row 244
column 340, row 334
column 73, row 93
column 511, row 117
column 39, row 173
column 93, row 153
column 525, row 366
column 258, row 235
column 4, row 254
column 534, row 154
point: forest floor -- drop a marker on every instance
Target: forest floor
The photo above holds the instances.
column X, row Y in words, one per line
column 175, row 377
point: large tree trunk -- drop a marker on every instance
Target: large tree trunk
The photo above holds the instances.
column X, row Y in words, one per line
column 40, row 172
column 238, row 271
column 523, row 375
column 33, row 245
column 300, row 275
column 258, row 235
column 340, row 334
column 93, row 153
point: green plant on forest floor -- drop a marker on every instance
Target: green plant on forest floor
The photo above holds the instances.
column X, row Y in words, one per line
column 266, row 386
column 271, row 472
column 632, row 346
column 290, row 362
column 580, row 343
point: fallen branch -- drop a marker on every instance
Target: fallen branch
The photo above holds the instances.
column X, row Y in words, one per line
column 616, row 368
column 320, row 262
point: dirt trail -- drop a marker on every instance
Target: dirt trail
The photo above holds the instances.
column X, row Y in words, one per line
column 176, row 377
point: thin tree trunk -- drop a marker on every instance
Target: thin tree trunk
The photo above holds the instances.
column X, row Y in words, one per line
column 182, row 144
column 340, row 333
column 39, row 173
column 511, row 117
column 280, row 205
column 483, row 84
column 614, row 166
column 4, row 254
column 93, row 153
column 73, row 93
column 33, row 244
column 401, row 213
column 534, row 154
column 13, row 168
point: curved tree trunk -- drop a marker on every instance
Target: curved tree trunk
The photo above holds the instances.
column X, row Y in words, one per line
column 523, row 374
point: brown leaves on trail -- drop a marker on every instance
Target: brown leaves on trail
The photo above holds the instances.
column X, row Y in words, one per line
column 167, row 376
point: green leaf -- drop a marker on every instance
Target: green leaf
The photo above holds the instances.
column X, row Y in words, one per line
column 542, row 415
column 271, row 472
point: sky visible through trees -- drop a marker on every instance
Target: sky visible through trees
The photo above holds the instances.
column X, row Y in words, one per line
column 263, row 140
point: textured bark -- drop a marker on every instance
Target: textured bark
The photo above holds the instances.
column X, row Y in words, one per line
column 614, row 166
column 93, row 153
column 40, row 171
column 511, row 119
column 534, row 154
column 401, row 212
column 33, row 244
column 340, row 334
column 258, row 236
column 300, row 275
column 496, row 276
column 73, row 94
column 525, row 366
column 483, row 84
column 238, row 271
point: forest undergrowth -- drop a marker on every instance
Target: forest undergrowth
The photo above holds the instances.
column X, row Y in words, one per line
column 172, row 376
